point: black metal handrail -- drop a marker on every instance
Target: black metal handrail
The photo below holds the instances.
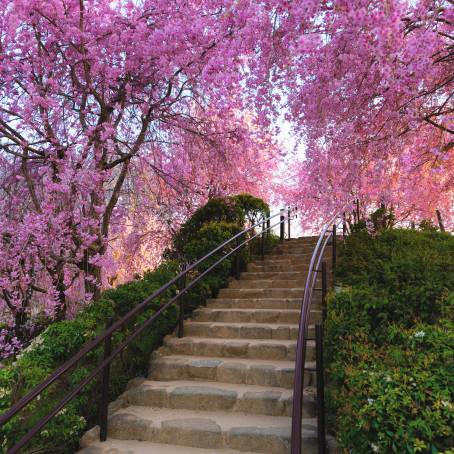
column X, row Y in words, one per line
column 109, row 355
column 316, row 266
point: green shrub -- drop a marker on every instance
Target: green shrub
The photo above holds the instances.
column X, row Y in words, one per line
column 407, row 269
column 398, row 397
column 253, row 207
column 220, row 209
column 390, row 344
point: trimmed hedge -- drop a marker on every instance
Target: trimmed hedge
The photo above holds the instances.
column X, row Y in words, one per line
column 63, row 339
column 390, row 344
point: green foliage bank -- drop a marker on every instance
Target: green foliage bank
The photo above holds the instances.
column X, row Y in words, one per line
column 390, row 343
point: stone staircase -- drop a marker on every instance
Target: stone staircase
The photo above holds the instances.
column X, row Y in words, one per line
column 226, row 387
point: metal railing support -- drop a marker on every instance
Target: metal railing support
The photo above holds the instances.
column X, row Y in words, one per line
column 334, row 252
column 321, row 429
column 262, row 242
column 181, row 286
column 289, row 221
column 324, row 288
column 282, row 226
column 104, row 402
column 237, row 260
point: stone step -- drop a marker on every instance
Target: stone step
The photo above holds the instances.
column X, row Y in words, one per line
column 210, row 430
column 265, row 283
column 243, row 330
column 253, row 315
column 113, row 446
column 285, row 275
column 287, row 259
column 261, row 293
column 259, row 372
column 280, row 349
column 257, row 303
column 280, row 267
column 217, row 396
column 303, row 251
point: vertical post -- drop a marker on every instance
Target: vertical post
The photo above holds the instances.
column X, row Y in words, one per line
column 440, row 220
column 282, row 226
column 262, row 242
column 334, row 252
column 344, row 226
column 324, row 288
column 289, row 221
column 321, row 430
column 357, row 210
column 104, row 403
column 181, row 286
column 237, row 260
column 268, row 227
column 413, row 225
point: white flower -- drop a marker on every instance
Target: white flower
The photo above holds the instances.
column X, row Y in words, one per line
column 388, row 379
column 370, row 401
column 419, row 334
column 374, row 447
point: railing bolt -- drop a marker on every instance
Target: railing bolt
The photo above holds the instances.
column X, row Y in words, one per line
column 104, row 402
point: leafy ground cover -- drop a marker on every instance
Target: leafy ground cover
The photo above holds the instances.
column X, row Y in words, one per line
column 390, row 343
column 63, row 339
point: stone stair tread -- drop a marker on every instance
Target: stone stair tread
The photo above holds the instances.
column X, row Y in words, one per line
column 113, row 446
column 242, row 330
column 235, row 348
column 271, row 299
column 245, row 309
column 248, row 324
column 239, row 324
column 221, row 359
column 208, row 429
column 239, row 388
column 223, row 419
column 264, row 342
column 216, row 396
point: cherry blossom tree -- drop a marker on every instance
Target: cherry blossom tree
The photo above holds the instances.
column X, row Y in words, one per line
column 101, row 98
column 370, row 88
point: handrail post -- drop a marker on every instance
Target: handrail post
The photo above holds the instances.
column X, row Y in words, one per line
column 181, row 286
column 104, row 402
column 262, row 242
column 237, row 260
column 344, row 226
column 321, row 431
column 282, row 226
column 334, row 252
column 324, row 288
column 268, row 227
column 288, row 221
